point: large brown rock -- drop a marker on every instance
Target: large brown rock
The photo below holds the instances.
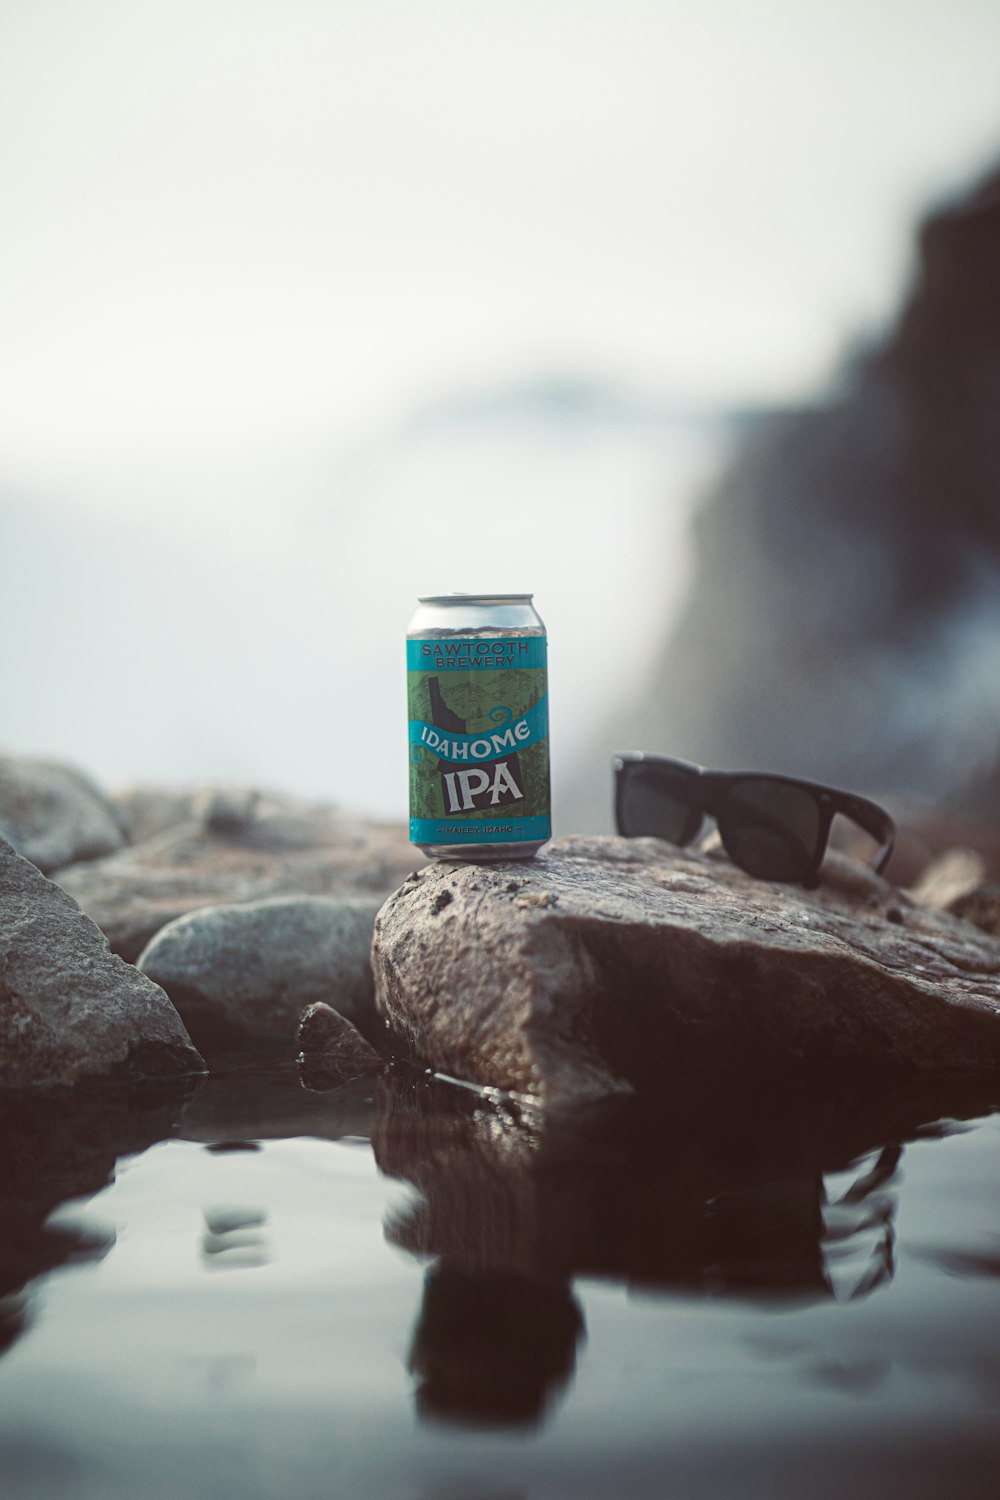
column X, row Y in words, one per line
column 237, row 849
column 69, row 1008
column 605, row 964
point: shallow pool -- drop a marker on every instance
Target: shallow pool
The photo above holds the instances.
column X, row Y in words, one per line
column 251, row 1287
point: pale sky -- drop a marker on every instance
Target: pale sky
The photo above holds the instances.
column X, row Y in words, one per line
column 243, row 242
column 232, row 224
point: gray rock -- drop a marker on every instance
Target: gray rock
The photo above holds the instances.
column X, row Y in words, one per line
column 69, row 1008
column 606, row 963
column 274, row 848
column 980, row 906
column 247, row 971
column 332, row 1051
column 226, row 808
column 148, row 811
column 54, row 814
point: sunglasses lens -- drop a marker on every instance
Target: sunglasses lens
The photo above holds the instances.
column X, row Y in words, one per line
column 770, row 829
column 656, row 803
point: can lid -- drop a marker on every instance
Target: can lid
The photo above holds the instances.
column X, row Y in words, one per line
column 475, row 598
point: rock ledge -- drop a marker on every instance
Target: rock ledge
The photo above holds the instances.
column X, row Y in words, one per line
column 606, row 963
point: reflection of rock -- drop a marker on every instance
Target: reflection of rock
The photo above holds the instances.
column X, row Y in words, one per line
column 245, row 1100
column 238, row 851
column 53, row 814
column 69, row 1008
column 237, row 972
column 844, row 620
column 492, row 1350
column 717, row 1187
column 605, row 963
column 61, row 1144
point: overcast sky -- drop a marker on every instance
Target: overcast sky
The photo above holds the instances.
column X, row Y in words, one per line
column 234, row 223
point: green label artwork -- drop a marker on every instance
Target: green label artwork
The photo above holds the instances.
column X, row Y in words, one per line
column 478, row 734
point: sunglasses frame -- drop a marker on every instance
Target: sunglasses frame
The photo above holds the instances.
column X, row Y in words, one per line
column 712, row 788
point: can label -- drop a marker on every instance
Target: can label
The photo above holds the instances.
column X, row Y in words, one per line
column 479, row 740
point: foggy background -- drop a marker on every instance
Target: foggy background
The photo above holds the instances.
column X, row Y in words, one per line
column 308, row 308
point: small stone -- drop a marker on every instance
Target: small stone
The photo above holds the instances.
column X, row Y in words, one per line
column 331, row 1050
column 55, row 815
column 69, row 1008
column 227, row 810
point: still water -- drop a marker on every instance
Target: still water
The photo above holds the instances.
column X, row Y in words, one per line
column 256, row 1287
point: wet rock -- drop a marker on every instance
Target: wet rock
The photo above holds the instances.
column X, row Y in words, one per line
column 226, row 854
column 332, row 1051
column 644, row 960
column 245, row 972
column 54, row 814
column 69, row 1008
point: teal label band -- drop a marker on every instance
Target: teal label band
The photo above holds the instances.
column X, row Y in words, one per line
column 460, row 749
column 500, row 831
column 477, row 654
column 478, row 739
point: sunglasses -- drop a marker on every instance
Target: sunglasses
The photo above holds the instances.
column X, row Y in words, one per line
column 774, row 827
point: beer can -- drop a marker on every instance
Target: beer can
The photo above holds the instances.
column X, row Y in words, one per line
column 477, row 692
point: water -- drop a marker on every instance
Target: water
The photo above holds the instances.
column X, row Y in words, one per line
column 397, row 1289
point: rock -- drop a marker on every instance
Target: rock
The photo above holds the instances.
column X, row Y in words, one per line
column 54, row 814
column 244, row 972
column 332, row 1051
column 980, row 906
column 69, row 1008
column 280, row 848
column 148, row 811
column 643, row 960
column 949, row 877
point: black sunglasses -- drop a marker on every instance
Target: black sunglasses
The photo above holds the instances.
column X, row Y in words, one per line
column 774, row 827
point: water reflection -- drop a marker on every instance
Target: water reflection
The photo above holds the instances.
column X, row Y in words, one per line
column 776, row 1196
column 59, row 1145
column 493, row 1349
column 739, row 1192
column 234, row 1238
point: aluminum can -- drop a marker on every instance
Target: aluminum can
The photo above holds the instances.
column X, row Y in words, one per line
column 477, row 694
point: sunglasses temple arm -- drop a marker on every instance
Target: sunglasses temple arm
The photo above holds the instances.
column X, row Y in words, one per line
column 876, row 822
column 884, row 853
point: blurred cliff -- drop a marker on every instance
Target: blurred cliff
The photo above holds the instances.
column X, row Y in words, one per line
column 843, row 615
